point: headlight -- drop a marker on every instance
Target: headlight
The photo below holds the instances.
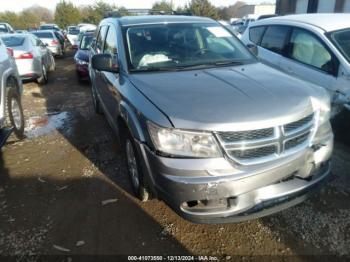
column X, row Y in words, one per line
column 183, row 143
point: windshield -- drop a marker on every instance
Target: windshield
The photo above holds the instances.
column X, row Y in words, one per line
column 13, row 41
column 73, row 31
column 175, row 46
column 43, row 35
column 342, row 41
column 86, row 41
column 49, row 27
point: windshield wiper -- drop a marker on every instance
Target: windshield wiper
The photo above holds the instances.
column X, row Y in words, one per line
column 210, row 64
column 188, row 67
column 154, row 69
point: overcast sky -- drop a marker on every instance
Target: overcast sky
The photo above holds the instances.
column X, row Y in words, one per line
column 18, row 5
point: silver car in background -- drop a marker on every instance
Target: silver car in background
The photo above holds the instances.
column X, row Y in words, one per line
column 32, row 57
column 312, row 47
column 11, row 112
column 51, row 40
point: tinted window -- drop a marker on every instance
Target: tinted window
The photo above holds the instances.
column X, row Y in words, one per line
column 308, row 49
column 111, row 42
column 275, row 38
column 43, row 35
column 101, row 38
column 12, row 41
column 256, row 33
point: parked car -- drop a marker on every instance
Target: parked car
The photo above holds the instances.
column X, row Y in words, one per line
column 204, row 126
column 72, row 35
column 313, row 47
column 52, row 40
column 6, row 28
column 34, row 60
column 11, row 113
column 81, row 57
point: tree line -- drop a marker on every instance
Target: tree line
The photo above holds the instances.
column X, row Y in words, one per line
column 66, row 13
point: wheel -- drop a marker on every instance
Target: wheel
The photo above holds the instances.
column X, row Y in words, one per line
column 95, row 101
column 43, row 79
column 53, row 64
column 15, row 111
column 134, row 170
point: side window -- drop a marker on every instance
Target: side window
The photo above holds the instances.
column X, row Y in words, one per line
column 308, row 49
column 256, row 33
column 275, row 38
column 111, row 42
column 101, row 38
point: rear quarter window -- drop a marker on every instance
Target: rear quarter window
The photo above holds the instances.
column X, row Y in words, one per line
column 256, row 33
column 275, row 38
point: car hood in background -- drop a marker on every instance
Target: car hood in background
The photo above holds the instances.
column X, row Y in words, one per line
column 231, row 98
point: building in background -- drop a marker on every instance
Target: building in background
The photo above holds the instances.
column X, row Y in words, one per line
column 284, row 7
column 246, row 10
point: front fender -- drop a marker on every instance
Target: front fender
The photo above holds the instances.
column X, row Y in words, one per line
column 132, row 121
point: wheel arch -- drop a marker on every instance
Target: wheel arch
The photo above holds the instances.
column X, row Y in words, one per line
column 129, row 120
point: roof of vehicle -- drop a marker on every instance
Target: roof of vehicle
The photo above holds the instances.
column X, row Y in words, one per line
column 327, row 22
column 158, row 19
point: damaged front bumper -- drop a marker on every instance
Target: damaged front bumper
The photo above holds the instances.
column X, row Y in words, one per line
column 218, row 191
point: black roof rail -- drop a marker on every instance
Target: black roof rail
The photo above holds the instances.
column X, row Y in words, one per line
column 118, row 13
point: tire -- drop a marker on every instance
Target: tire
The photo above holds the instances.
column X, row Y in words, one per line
column 53, row 64
column 134, row 169
column 15, row 110
column 95, row 101
column 43, row 79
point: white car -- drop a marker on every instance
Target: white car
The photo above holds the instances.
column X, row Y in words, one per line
column 11, row 113
column 34, row 60
column 72, row 35
column 313, row 47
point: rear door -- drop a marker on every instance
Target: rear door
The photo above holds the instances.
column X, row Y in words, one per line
column 310, row 59
column 273, row 44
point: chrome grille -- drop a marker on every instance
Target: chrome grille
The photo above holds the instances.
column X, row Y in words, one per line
column 262, row 145
column 294, row 142
column 254, row 152
column 298, row 124
column 229, row 137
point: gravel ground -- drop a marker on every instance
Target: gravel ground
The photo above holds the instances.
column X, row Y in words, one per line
column 64, row 191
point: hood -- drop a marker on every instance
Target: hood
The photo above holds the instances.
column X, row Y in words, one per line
column 225, row 99
column 83, row 55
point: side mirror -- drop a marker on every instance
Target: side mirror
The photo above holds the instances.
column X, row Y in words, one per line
column 105, row 62
column 253, row 48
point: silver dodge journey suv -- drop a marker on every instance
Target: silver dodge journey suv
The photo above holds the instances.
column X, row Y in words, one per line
column 204, row 126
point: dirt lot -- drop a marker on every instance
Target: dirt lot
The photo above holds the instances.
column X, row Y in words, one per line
column 52, row 185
